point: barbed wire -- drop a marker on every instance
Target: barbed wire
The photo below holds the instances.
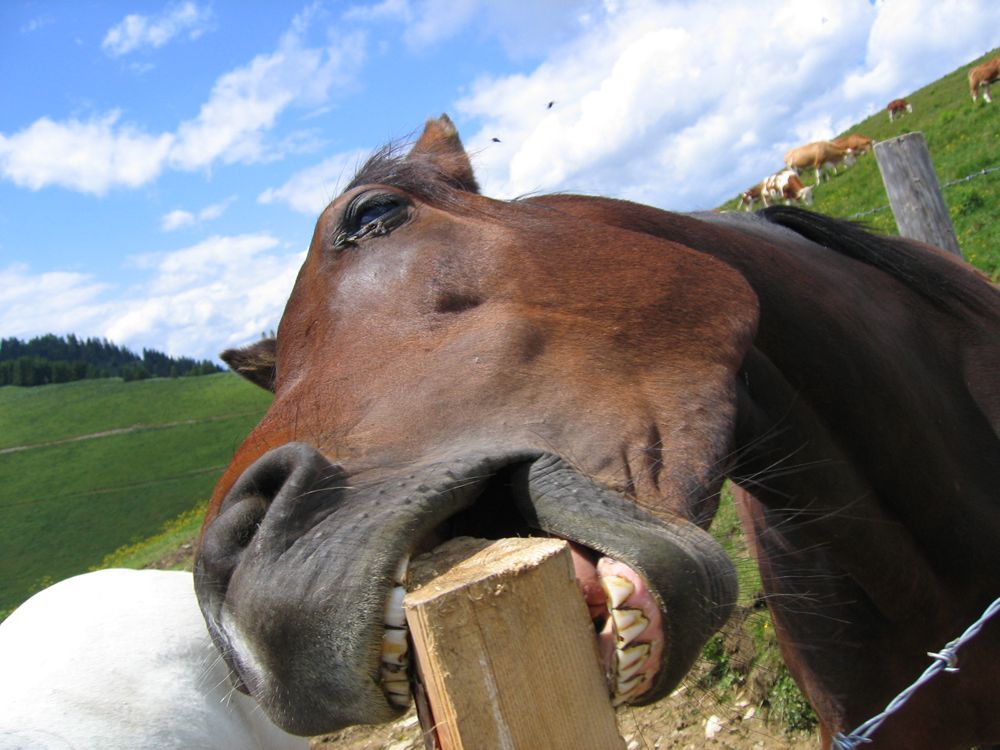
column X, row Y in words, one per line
column 981, row 172
column 950, row 183
column 945, row 660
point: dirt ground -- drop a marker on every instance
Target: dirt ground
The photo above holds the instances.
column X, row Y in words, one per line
column 680, row 722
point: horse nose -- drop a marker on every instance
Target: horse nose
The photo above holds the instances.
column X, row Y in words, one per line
column 288, row 472
column 284, row 485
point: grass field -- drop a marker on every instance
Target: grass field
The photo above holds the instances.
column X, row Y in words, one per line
column 963, row 139
column 150, row 450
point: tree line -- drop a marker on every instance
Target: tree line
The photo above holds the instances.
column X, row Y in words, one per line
column 61, row 359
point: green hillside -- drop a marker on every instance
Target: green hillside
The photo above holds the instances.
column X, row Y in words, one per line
column 89, row 466
column 963, row 139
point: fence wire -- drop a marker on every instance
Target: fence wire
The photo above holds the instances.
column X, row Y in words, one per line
column 974, row 175
column 945, row 660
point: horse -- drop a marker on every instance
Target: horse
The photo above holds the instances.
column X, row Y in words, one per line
column 594, row 369
column 121, row 660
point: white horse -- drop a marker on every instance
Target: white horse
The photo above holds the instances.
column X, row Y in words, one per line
column 122, row 659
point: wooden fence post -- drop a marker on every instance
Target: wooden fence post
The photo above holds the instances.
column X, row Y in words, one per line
column 914, row 193
column 506, row 651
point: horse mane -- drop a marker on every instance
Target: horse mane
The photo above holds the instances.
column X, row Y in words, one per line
column 940, row 280
column 418, row 174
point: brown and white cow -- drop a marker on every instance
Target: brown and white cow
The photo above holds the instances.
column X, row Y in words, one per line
column 751, row 195
column 897, row 107
column 787, row 186
column 856, row 143
column 982, row 76
column 819, row 155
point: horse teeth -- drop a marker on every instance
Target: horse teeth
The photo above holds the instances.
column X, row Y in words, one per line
column 625, row 687
column 629, row 624
column 621, row 698
column 394, row 615
column 617, row 589
column 629, row 661
column 394, row 647
column 401, row 570
column 397, row 686
column 400, row 701
column 626, row 617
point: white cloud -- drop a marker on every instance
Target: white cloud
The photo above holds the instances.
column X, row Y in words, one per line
column 247, row 101
column 524, row 29
column 310, row 190
column 179, row 218
column 72, row 300
column 654, row 97
column 919, row 38
column 388, row 10
column 681, row 104
column 215, row 210
column 89, row 156
column 436, row 20
column 100, row 153
column 36, row 23
column 176, row 219
column 195, row 301
column 220, row 292
column 136, row 31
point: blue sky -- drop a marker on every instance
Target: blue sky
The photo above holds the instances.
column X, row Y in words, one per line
column 162, row 163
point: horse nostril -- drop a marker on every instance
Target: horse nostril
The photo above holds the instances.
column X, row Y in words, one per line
column 289, row 473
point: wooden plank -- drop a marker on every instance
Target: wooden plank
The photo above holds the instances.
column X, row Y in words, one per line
column 914, row 193
column 507, row 654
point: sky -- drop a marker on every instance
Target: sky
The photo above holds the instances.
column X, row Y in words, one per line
column 162, row 164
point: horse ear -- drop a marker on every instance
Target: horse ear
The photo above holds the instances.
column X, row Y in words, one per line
column 256, row 362
column 440, row 144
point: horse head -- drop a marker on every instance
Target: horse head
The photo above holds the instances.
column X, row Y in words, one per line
column 451, row 364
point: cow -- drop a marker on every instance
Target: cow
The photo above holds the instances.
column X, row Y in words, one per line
column 751, row 195
column 855, row 143
column 982, row 76
column 897, row 107
column 818, row 155
column 787, row 186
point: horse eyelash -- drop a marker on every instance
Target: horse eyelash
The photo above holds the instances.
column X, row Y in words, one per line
column 375, row 228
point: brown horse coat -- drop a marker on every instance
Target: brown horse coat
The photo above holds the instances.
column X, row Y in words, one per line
column 593, row 369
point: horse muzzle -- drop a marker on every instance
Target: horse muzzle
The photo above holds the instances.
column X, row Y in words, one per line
column 300, row 574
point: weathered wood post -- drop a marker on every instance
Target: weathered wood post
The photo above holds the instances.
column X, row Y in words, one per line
column 507, row 654
column 914, row 193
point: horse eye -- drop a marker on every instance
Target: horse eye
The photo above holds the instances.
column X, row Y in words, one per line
column 374, row 210
column 371, row 214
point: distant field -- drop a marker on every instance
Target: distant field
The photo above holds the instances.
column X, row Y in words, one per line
column 963, row 139
column 54, row 412
column 65, row 503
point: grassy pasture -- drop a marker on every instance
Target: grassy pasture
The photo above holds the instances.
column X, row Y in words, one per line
column 32, row 416
column 66, row 503
column 962, row 138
